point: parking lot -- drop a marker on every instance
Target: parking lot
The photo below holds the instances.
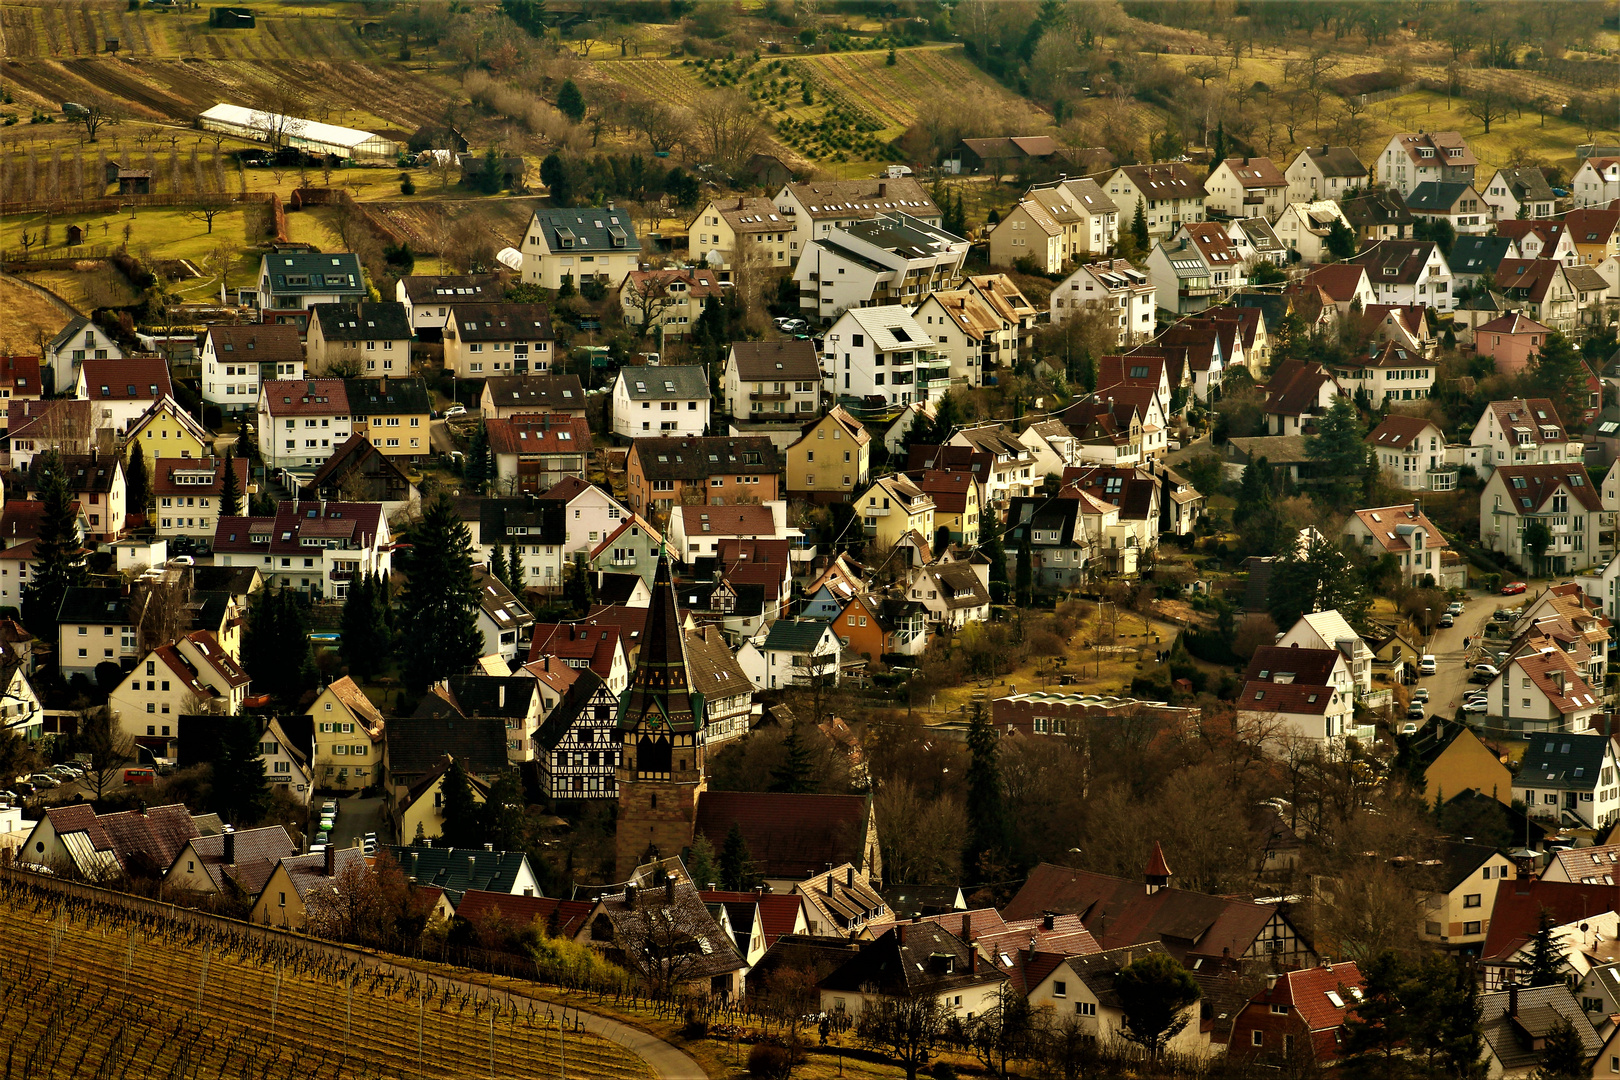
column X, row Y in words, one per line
column 355, row 818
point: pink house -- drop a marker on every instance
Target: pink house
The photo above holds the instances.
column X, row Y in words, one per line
column 1510, row 341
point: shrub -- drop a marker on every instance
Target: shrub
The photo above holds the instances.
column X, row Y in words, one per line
column 407, row 186
column 769, row 1062
column 212, row 419
column 695, row 1027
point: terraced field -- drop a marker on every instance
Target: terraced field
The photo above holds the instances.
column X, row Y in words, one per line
column 918, row 79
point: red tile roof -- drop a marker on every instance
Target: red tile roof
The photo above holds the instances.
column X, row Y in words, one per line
column 306, row 397
column 1538, row 483
column 1520, row 902
column 1342, row 282
column 164, row 470
column 539, row 433
column 562, row 918
column 717, row 521
column 588, row 641
column 135, row 379
column 779, row 913
column 1386, row 523
column 1398, row 430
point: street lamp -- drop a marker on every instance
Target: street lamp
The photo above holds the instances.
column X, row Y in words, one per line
column 1427, row 633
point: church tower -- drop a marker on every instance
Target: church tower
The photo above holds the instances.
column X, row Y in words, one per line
column 659, row 731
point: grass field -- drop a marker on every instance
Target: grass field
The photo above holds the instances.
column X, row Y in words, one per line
column 26, row 312
column 80, row 996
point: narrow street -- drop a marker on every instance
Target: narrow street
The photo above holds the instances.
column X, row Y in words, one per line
column 1450, row 680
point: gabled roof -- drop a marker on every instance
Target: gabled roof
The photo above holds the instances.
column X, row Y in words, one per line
column 587, row 641
column 778, row 912
column 561, row 918
column 1256, row 172
column 1440, row 142
column 912, row 960
column 305, row 397
column 1529, row 416
column 536, row 393
column 543, row 433
column 891, row 327
column 1391, row 526
column 54, row 420
column 1512, row 1037
column 133, row 841
column 1460, row 861
column 713, row 666
column 1549, row 764
column 1437, row 196
column 1295, row 387
column 130, row 379
column 1397, row 431
column 1291, row 664
column 589, row 228
column 256, row 851
column 1406, row 258
column 1525, row 183
column 1288, row 698
column 337, row 272
column 165, row 472
column 261, row 343
column 418, row 744
column 1589, row 865
column 1481, row 254
column 789, row 836
column 1342, row 282
column 1529, row 487
column 369, row 397
column 83, row 472
column 844, row 199
column 453, row 288
column 1173, row 181
column 1512, row 323
column 1338, row 161
column 362, row 321
column 64, row 335
column 455, row 870
column 783, row 360
column 700, row 457
column 717, row 521
column 682, row 382
column 1529, row 278
column 355, row 700
column 502, row 322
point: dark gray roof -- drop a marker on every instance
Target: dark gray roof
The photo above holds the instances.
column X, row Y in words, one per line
column 385, row 395
column 1336, row 161
column 697, row 458
column 785, row 359
column 458, row 288
column 416, row 744
column 910, row 960
column 337, row 272
column 799, row 635
column 502, row 322
column 544, row 519
column 1512, row 1038
column 492, row 695
column 588, row 228
column 1381, row 207
column 1563, row 761
column 680, row 383
column 587, row 691
column 93, row 604
column 1459, row 861
column 455, row 870
column 75, row 324
column 364, row 321
column 540, row 393
column 1437, row 196
column 1479, row 254
column 1526, row 183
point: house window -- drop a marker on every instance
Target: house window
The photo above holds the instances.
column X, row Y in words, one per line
column 1257, row 1038
column 1471, row 900
column 1085, row 1008
column 1060, row 989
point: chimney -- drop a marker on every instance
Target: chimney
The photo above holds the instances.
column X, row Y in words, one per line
column 1271, row 983
column 1327, row 963
column 230, row 848
column 331, row 860
column 829, row 883
column 899, row 933
column 500, row 696
column 1048, row 920
column 973, row 959
column 712, row 886
column 669, row 890
column 472, row 864
column 967, row 927
column 1513, row 999
column 882, row 187
column 489, row 847
column 413, row 864
column 849, row 877
column 1032, row 946
column 1417, row 508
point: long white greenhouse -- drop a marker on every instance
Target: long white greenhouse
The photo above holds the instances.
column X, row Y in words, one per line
column 309, row 135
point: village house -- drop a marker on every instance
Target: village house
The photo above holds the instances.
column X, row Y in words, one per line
column 1126, row 297
column 167, row 430
column 365, row 338
column 534, row 452
column 1389, row 373
column 1305, row 228
column 814, row 210
column 1518, row 192
column 1380, row 214
column 1549, row 292
column 95, row 482
column 1324, row 172
column 666, row 304
column 348, row 733
column 893, row 507
column 304, row 888
column 1404, row 532
column 503, row 339
column 358, row 472
column 192, row 675
column 78, row 341
column 120, row 391
column 1298, row 1013
column 237, row 360
column 1169, row 196
column 794, row 652
column 1452, row 201
column 1408, row 272
column 911, row 961
column 319, row 548
column 1541, row 239
column 1411, row 450
column 1296, row 394
column 1510, row 341
column 293, row 282
column 772, row 380
column 696, row 531
column 736, row 228
column 1087, row 217
column 1566, row 773
column 1595, row 233
column 1292, row 692
column 952, row 594
column 1523, row 432
column 234, row 863
column 661, row 400
column 844, row 462
column 1596, row 183
column 428, row 298
column 882, row 353
column 887, row 260
column 580, row 244
column 1561, row 497
column 507, row 396
column 1411, row 159
column 301, row 421
column 1474, row 259
column 187, row 493
column 1246, row 187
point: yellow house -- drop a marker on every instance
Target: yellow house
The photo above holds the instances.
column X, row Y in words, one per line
column 167, row 431
column 958, row 501
column 348, row 737
column 1458, row 911
column 1454, row 760
column 739, row 226
column 288, row 899
column 831, row 459
column 1596, row 234
column 237, row 862
column 393, row 413
column 894, row 507
column 422, row 805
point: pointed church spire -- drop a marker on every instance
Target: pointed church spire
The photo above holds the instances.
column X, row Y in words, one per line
column 659, row 691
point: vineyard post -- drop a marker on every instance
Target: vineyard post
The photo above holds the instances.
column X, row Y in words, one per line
column 421, row 1011
column 492, row 1041
column 562, row 1065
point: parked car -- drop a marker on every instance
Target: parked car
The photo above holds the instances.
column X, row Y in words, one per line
column 1454, row 608
column 1447, row 620
column 44, row 780
column 1513, row 588
column 454, row 411
column 1426, row 664
column 1490, row 671
column 1408, row 728
column 1475, row 705
column 1421, row 694
column 1414, row 711
column 25, row 790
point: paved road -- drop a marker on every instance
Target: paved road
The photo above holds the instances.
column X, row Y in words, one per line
column 355, row 818
column 1450, row 680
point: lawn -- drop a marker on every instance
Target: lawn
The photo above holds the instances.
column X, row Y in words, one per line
column 159, row 233
column 28, row 314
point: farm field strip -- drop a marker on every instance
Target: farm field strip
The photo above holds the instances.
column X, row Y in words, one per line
column 201, row 998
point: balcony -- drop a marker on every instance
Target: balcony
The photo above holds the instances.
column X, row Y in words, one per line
column 770, row 395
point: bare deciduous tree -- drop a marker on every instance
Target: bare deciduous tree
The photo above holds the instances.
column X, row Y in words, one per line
column 726, row 130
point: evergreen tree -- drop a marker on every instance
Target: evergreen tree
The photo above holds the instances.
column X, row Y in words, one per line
column 1155, row 995
column 1337, row 447
column 244, row 442
column 501, row 816
column 737, row 870
column 462, row 826
column 1536, row 540
column 1219, row 154
column 479, row 469
column 275, row 646
column 554, row 174
column 514, row 566
column 570, row 102
column 985, row 803
column 1341, row 240
column 438, row 630
column 701, row 863
column 1139, row 226
column 497, row 566
column 991, row 546
column 1563, row 1054
column 365, row 627
column 1026, row 567
column 230, row 488
column 241, row 794
column 137, row 481
column 1546, row 965
column 1378, row 1027
column 795, row 772
column 1559, row 374
column 1320, row 579
column 58, row 553
column 577, row 588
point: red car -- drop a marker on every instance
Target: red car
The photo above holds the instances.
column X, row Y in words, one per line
column 1513, row 588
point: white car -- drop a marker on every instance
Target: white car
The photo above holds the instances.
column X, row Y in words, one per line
column 1454, row 608
column 1476, row 705
column 454, row 411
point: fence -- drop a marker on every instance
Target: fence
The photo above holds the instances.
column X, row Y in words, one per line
column 126, row 202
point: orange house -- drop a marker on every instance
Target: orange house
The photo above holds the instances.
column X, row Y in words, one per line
column 861, row 630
